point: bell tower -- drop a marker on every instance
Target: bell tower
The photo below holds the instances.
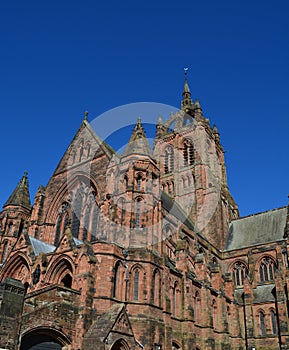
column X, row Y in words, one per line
column 193, row 172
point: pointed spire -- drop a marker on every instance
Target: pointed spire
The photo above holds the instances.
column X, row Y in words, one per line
column 187, row 103
column 20, row 196
column 138, row 142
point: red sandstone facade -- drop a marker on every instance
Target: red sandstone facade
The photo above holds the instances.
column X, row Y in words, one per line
column 143, row 250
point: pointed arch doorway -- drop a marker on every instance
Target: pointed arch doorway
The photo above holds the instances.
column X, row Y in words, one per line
column 43, row 339
column 120, row 345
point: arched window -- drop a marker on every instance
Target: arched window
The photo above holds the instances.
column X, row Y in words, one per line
column 36, row 275
column 77, row 207
column 138, row 213
column 86, row 223
column 67, row 281
column 273, row 322
column 10, row 227
column 88, row 148
column 94, row 222
column 228, row 316
column 125, row 182
column 122, row 212
column 188, row 153
column 57, row 232
column 239, row 273
column 4, row 253
column 262, row 324
column 156, row 297
column 169, row 160
column 197, row 307
column 66, row 222
column 175, row 306
column 116, row 280
column 175, row 346
column 136, row 285
column 138, row 182
column 267, row 269
column 215, row 313
column 80, row 151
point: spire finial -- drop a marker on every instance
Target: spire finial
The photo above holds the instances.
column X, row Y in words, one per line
column 186, row 72
column 85, row 115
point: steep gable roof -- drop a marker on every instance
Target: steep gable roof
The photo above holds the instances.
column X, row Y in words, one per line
column 86, row 133
column 114, row 320
column 256, row 229
column 20, row 196
column 138, row 142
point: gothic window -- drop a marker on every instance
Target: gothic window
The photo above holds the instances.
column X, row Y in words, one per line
column 36, row 275
column 174, row 301
column 73, row 156
column 80, row 151
column 4, row 254
column 175, row 346
column 88, row 147
column 285, row 257
column 239, row 274
column 215, row 313
column 262, row 324
column 138, row 212
column 94, row 221
column 116, row 280
column 10, row 227
column 188, row 153
column 136, row 285
column 273, row 322
column 57, row 232
column 138, row 182
column 169, row 160
column 86, row 223
column 197, row 306
column 66, row 223
column 228, row 316
column 125, row 182
column 67, row 281
column 77, row 207
column 156, row 288
column 267, row 269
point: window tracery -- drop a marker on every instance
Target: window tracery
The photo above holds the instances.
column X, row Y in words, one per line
column 267, row 269
column 240, row 271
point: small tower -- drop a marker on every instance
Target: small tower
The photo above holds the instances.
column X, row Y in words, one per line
column 138, row 142
column 17, row 208
column 16, row 211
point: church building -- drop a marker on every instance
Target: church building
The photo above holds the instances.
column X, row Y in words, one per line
column 142, row 250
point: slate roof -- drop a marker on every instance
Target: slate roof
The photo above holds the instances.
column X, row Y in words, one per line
column 262, row 294
column 104, row 324
column 40, row 246
column 257, row 229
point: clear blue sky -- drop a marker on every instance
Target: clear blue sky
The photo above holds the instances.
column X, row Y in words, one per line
column 60, row 58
